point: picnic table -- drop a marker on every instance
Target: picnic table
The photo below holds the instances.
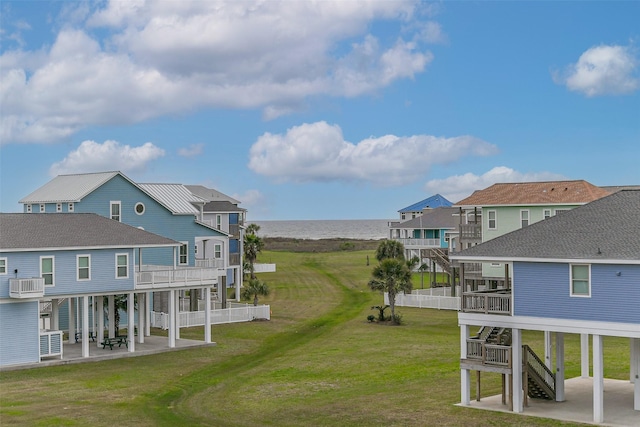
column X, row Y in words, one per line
column 92, row 336
column 113, row 341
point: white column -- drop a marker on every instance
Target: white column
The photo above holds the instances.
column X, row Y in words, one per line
column 131, row 328
column 516, row 363
column 111, row 312
column 147, row 304
column 559, row 367
column 100, row 336
column 207, row 315
column 465, row 374
column 635, row 369
column 584, row 355
column 177, row 316
column 142, row 316
column 238, row 283
column 172, row 318
column 598, row 380
column 85, row 326
column 55, row 315
column 72, row 321
column 548, row 350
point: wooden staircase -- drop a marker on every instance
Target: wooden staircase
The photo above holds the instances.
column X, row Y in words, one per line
column 441, row 258
column 540, row 381
column 494, row 335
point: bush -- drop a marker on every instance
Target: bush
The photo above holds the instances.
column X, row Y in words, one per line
column 347, row 246
column 397, row 319
column 371, row 318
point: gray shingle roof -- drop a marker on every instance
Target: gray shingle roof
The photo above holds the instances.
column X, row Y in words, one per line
column 222, row 206
column 19, row 232
column 211, row 194
column 432, row 219
column 605, row 229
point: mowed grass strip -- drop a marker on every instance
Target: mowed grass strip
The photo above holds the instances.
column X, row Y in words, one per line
column 317, row 362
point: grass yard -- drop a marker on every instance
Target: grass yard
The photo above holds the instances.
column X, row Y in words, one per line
column 318, row 362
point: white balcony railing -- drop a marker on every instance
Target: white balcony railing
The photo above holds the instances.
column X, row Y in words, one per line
column 210, row 263
column 179, row 278
column 26, row 288
column 422, row 243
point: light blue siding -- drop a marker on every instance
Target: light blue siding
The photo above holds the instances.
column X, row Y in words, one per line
column 542, row 290
column 103, row 271
column 19, row 333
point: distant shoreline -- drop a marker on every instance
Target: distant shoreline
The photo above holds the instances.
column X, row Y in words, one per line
column 289, row 244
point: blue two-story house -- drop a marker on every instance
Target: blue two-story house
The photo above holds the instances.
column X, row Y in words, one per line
column 169, row 210
column 82, row 262
column 575, row 273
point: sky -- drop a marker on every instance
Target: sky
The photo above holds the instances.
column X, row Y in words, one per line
column 320, row 109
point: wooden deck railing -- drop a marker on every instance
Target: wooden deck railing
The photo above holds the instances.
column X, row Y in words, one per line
column 470, row 231
column 488, row 302
column 488, row 354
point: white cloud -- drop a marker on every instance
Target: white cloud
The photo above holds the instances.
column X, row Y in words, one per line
column 602, row 70
column 319, row 152
column 110, row 155
column 191, row 151
column 164, row 57
column 457, row 187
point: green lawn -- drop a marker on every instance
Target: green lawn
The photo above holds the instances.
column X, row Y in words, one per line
column 317, row 362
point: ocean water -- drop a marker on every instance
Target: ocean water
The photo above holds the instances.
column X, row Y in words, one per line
column 362, row 229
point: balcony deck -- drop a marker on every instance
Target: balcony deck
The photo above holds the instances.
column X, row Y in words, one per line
column 497, row 301
column 155, row 277
column 32, row 287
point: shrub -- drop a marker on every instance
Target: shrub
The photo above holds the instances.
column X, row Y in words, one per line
column 371, row 318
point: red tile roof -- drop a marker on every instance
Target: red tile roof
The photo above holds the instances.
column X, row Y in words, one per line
column 535, row 193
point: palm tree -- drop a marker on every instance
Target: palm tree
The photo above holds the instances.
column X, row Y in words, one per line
column 391, row 276
column 390, row 249
column 252, row 247
column 253, row 229
column 254, row 289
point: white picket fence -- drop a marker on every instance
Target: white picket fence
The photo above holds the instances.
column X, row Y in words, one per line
column 236, row 313
column 427, row 300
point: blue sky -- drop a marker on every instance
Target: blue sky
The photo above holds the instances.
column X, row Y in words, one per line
column 320, row 110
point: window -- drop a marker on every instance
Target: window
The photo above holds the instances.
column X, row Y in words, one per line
column 184, row 254
column 559, row 211
column 58, row 207
column 139, row 208
column 42, row 207
column 70, row 207
column 217, row 251
column 547, row 213
column 83, row 263
column 493, row 220
column 29, row 210
column 115, row 210
column 403, row 216
column 218, row 221
column 3, row 266
column 47, row 270
column 524, row 218
column 581, row 280
column 122, row 266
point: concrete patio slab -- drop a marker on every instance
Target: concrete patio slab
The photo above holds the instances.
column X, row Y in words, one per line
column 578, row 406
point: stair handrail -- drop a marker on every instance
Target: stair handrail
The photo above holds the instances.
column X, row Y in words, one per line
column 535, row 366
column 441, row 259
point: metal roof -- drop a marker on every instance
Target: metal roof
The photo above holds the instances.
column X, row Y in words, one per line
column 435, row 201
column 176, row 197
column 69, row 188
column 28, row 232
column 605, row 229
column 211, row 195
